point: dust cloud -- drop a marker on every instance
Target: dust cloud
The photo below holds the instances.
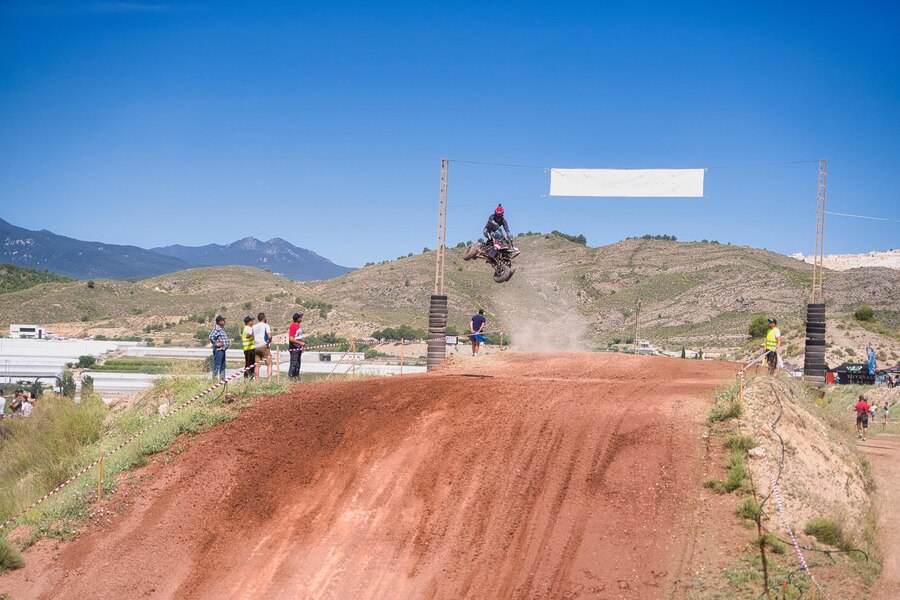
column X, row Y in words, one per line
column 554, row 331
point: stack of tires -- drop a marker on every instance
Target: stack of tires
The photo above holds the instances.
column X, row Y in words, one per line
column 437, row 331
column 814, row 366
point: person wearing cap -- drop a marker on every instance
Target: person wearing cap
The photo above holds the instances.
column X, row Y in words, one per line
column 772, row 345
column 220, row 343
column 295, row 345
column 247, row 345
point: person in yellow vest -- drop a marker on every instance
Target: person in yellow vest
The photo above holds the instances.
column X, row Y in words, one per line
column 772, row 345
column 247, row 345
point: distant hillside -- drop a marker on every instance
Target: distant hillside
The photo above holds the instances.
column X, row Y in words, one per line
column 14, row 278
column 277, row 255
column 83, row 260
column 564, row 294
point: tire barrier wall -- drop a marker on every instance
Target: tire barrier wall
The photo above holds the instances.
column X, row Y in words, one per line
column 814, row 366
column 437, row 331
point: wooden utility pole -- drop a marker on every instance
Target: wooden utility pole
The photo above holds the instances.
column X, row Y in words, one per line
column 637, row 316
column 817, row 295
column 442, row 228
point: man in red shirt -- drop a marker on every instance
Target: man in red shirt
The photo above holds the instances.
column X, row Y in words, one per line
column 862, row 418
column 295, row 345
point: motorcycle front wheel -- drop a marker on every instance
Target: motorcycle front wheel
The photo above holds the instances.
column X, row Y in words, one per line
column 502, row 273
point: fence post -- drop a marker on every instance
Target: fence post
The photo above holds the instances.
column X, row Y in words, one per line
column 100, row 481
column 501, row 340
column 401, row 356
column 353, row 357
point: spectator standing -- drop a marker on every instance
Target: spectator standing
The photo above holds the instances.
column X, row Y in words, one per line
column 262, row 337
column 862, row 418
column 477, row 331
column 15, row 407
column 27, row 406
column 2, row 405
column 295, row 345
column 772, row 345
column 247, row 346
column 887, row 409
column 220, row 343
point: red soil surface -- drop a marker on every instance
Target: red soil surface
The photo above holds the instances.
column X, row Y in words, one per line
column 518, row 476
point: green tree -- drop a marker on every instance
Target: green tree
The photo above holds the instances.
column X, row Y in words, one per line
column 86, row 361
column 758, row 327
column 864, row 313
column 68, row 385
column 87, row 385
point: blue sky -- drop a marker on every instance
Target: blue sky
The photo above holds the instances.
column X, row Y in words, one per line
column 159, row 122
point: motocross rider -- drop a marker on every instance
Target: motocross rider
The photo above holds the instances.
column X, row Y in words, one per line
column 495, row 228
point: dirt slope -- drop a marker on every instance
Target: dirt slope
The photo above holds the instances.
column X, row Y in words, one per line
column 521, row 476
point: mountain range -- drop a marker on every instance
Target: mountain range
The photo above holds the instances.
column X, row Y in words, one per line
column 46, row 251
column 277, row 255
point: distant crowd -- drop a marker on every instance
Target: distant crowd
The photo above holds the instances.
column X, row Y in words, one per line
column 19, row 407
column 256, row 339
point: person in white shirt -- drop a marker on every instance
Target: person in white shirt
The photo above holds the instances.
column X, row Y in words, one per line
column 2, row 406
column 27, row 407
column 262, row 337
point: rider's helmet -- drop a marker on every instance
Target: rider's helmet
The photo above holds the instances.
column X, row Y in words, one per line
column 499, row 210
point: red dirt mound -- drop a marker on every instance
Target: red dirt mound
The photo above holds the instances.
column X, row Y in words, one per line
column 522, row 476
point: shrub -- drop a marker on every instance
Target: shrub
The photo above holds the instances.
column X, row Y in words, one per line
column 740, row 442
column 828, row 532
column 749, row 509
column 864, row 313
column 10, row 559
column 758, row 327
column 167, row 341
column 90, row 284
column 86, row 361
column 87, row 385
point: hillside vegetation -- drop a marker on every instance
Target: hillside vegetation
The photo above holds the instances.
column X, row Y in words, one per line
column 14, row 278
column 564, row 294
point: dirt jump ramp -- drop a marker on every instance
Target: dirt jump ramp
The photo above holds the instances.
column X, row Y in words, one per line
column 521, row 476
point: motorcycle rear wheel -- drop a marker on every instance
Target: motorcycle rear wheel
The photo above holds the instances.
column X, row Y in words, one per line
column 470, row 252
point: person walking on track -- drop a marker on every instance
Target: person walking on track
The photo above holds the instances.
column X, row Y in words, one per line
column 477, row 331
column 862, row 418
column 295, row 345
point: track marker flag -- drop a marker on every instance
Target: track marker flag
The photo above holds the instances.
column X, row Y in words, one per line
column 627, row 183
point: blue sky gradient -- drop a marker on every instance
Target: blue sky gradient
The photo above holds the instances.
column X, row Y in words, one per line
column 160, row 122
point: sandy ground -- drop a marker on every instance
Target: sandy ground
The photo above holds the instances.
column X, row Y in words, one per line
column 512, row 476
column 883, row 449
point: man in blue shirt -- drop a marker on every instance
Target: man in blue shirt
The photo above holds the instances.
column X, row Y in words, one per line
column 477, row 329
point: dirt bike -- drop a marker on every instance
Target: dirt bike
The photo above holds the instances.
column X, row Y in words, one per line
column 499, row 258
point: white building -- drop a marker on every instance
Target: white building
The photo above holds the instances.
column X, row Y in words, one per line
column 27, row 332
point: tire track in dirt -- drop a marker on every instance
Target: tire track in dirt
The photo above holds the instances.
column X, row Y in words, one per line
column 554, row 476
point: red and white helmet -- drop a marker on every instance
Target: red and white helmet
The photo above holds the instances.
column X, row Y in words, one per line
column 498, row 210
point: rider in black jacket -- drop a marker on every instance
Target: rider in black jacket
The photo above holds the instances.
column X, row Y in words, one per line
column 495, row 228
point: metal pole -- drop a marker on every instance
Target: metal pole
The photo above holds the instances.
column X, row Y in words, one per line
column 817, row 295
column 353, row 356
column 401, row 356
column 442, row 228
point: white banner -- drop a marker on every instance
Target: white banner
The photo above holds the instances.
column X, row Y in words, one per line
column 627, row 183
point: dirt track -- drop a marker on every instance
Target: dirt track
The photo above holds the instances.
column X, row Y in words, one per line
column 526, row 476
